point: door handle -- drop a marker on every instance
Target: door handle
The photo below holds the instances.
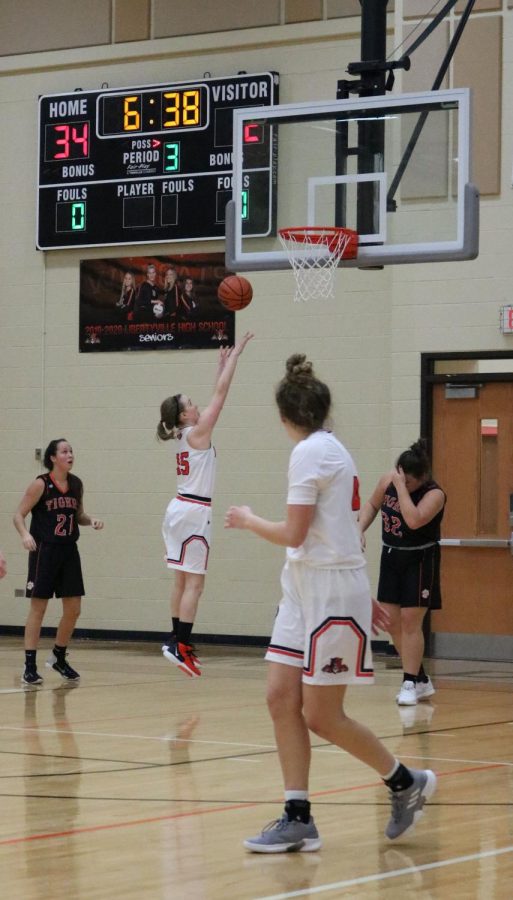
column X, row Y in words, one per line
column 477, row 542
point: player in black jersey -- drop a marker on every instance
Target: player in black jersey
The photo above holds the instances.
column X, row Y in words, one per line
column 55, row 501
column 412, row 507
column 147, row 296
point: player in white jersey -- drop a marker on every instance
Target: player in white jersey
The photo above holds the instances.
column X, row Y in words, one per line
column 187, row 522
column 321, row 636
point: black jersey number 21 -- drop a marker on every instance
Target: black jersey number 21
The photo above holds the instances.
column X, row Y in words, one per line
column 60, row 528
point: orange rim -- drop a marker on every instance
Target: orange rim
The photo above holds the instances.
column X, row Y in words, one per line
column 328, row 235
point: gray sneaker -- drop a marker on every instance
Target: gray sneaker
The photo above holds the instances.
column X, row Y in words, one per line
column 282, row 836
column 408, row 805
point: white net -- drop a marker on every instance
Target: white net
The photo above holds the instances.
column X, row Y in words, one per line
column 314, row 254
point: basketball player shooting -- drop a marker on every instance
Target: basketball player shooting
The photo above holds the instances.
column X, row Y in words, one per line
column 187, row 522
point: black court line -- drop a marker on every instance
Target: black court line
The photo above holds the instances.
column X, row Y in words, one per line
column 258, row 751
column 238, row 800
column 130, row 766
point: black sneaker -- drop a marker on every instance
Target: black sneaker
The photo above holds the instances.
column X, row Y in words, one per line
column 62, row 667
column 172, row 641
column 31, row 676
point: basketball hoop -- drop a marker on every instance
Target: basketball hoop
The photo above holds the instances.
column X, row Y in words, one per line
column 314, row 254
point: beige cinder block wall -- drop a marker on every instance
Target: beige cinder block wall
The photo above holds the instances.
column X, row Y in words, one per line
column 366, row 343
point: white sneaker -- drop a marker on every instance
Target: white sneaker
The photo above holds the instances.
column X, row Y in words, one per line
column 424, row 689
column 407, row 696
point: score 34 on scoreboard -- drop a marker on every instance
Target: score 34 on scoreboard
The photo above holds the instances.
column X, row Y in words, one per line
column 151, row 164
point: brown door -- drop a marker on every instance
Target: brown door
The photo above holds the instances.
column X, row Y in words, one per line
column 473, row 462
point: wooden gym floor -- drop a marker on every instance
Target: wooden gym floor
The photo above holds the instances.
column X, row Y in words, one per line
column 141, row 783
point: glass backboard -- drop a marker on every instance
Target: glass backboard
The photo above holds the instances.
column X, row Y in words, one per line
column 394, row 168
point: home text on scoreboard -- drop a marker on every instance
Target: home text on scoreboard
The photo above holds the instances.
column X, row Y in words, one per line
column 154, row 163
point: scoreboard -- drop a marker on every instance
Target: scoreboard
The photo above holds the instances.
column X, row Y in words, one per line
column 154, row 163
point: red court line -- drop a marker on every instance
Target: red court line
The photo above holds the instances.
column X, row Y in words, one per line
column 200, row 812
column 93, row 828
column 371, row 784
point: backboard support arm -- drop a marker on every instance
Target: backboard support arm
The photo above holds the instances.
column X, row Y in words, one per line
column 436, row 86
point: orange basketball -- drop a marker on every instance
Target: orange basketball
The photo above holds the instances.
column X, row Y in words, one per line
column 235, row 292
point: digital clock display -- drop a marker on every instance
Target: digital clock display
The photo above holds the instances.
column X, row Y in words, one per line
column 153, row 163
column 151, row 112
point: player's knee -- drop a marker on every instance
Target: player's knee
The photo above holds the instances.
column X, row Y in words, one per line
column 37, row 615
column 410, row 626
column 314, row 721
column 71, row 610
column 317, row 722
column 194, row 587
column 325, row 726
column 279, row 702
column 38, row 608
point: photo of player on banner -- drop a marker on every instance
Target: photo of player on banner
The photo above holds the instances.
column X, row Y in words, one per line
column 153, row 303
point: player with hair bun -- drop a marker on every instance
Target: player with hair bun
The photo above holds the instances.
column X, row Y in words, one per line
column 187, row 522
column 412, row 506
column 321, row 635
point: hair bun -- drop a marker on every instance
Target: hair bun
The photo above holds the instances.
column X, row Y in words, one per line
column 298, row 366
column 419, row 447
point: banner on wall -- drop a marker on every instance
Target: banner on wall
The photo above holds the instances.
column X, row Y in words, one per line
column 153, row 303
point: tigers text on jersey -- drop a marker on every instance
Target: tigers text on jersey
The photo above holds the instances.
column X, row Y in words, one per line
column 54, row 516
column 195, row 469
column 322, row 473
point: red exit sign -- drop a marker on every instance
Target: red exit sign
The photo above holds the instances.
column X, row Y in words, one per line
column 506, row 319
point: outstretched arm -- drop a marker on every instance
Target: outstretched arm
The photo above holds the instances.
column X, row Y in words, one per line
column 290, row 533
column 3, row 565
column 199, row 438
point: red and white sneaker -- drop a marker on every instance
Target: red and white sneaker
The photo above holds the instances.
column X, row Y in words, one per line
column 197, row 662
column 181, row 655
column 190, row 658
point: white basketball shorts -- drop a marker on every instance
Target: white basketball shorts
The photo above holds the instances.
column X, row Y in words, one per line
column 186, row 530
column 323, row 624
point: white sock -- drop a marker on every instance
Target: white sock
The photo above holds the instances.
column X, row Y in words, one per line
column 392, row 771
column 296, row 795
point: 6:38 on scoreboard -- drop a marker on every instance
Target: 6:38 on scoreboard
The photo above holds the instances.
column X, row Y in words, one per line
column 153, row 163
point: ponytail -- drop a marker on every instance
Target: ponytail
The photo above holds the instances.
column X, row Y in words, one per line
column 170, row 410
